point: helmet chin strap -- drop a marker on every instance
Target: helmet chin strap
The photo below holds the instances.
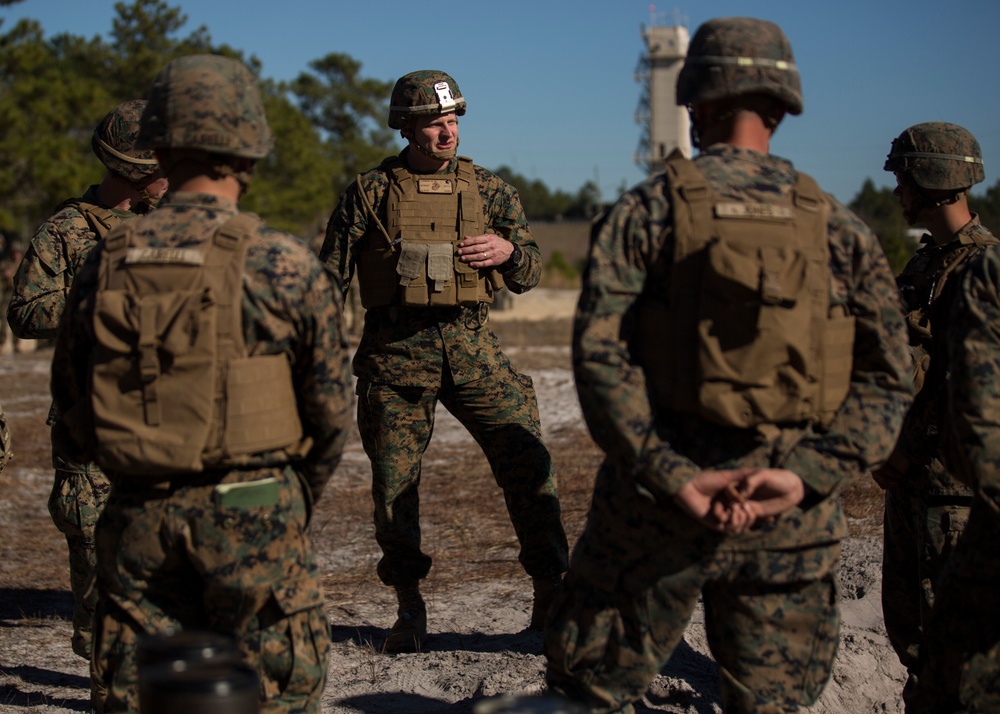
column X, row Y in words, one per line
column 928, row 203
column 439, row 155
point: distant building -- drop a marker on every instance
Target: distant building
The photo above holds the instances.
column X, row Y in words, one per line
column 665, row 126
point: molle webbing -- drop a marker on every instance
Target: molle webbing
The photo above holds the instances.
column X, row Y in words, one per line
column 413, row 260
column 752, row 337
column 174, row 388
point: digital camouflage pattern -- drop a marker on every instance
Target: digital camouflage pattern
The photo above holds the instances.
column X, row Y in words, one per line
column 206, row 103
column 919, row 533
column 925, row 515
column 6, row 451
column 960, row 658
column 635, row 579
column 410, row 358
column 937, row 155
column 734, row 56
column 414, row 94
column 46, row 273
column 178, row 553
column 178, row 560
column 41, row 285
column 114, row 143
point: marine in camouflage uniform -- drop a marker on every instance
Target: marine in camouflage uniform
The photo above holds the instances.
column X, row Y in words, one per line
column 226, row 549
column 925, row 507
column 40, row 286
column 959, row 668
column 412, row 357
column 686, row 505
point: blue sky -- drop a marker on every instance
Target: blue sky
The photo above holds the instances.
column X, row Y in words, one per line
column 550, row 84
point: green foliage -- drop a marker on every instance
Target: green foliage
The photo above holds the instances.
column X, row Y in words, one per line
column 54, row 91
column 540, row 204
column 350, row 111
column 880, row 210
column 558, row 272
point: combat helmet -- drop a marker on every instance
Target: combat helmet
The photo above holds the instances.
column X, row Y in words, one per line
column 426, row 91
column 734, row 56
column 207, row 103
column 937, row 156
column 114, row 143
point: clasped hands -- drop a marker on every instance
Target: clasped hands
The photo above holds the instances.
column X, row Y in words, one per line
column 732, row 501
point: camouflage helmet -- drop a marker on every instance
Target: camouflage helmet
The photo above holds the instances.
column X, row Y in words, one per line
column 114, row 143
column 733, row 56
column 937, row 156
column 427, row 91
column 208, row 103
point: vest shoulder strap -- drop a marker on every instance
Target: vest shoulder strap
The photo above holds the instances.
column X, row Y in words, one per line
column 100, row 219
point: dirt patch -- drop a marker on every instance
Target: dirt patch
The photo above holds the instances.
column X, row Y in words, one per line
column 478, row 597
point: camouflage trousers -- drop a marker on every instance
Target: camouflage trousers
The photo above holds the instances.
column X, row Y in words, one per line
column 501, row 413
column 919, row 532
column 234, row 559
column 635, row 578
column 75, row 503
column 960, row 658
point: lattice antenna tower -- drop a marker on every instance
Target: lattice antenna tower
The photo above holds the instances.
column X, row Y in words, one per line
column 664, row 125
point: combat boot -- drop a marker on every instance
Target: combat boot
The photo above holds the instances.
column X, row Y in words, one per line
column 545, row 588
column 409, row 632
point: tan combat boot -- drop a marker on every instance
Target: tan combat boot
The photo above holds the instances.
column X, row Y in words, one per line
column 409, row 632
column 545, row 588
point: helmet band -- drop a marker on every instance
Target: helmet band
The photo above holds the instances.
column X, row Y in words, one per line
column 125, row 157
column 929, row 155
column 743, row 62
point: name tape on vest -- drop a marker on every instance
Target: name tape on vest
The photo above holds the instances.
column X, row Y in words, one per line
column 764, row 211
column 181, row 256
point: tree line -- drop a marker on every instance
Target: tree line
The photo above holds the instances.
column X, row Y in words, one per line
column 329, row 124
column 879, row 208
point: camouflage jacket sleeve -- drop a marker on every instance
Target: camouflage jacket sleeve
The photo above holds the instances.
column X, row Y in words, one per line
column 46, row 272
column 287, row 285
column 346, row 228
column 974, row 384
column 864, row 430
column 74, row 428
column 505, row 218
column 611, row 386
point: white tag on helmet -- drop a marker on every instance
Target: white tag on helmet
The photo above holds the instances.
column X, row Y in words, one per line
column 444, row 95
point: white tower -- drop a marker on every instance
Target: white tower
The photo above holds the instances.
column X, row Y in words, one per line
column 665, row 126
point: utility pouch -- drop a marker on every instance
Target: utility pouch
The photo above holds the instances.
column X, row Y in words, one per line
column 411, row 269
column 440, row 269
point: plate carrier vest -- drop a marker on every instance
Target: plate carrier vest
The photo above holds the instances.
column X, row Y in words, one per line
column 426, row 217
column 173, row 388
column 100, row 219
column 747, row 336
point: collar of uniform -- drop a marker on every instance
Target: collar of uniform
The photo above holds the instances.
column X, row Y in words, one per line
column 198, row 200
column 90, row 196
column 973, row 227
column 734, row 153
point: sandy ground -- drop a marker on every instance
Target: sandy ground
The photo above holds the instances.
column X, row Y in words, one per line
column 478, row 598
